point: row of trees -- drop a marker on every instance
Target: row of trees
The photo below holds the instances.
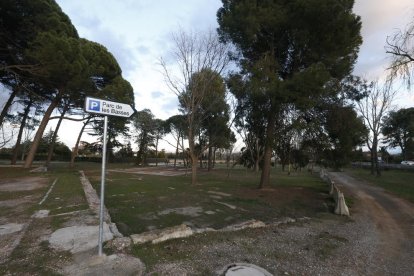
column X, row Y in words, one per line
column 293, row 88
column 210, row 126
column 48, row 67
column 291, row 84
column 294, row 93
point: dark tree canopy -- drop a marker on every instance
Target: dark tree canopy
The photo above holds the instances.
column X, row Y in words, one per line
column 41, row 54
column 21, row 21
column 290, row 52
column 345, row 131
column 143, row 122
column 398, row 128
column 296, row 35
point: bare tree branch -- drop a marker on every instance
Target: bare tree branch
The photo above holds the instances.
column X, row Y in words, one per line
column 373, row 109
column 72, row 119
column 401, row 48
column 191, row 54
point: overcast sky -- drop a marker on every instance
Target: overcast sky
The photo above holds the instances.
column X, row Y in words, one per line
column 137, row 33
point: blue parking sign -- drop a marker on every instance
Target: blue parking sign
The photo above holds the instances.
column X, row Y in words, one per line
column 94, row 105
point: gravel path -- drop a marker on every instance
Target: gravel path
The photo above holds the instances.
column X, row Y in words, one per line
column 392, row 219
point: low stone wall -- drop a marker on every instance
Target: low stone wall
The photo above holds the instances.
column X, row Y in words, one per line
column 338, row 196
column 94, row 203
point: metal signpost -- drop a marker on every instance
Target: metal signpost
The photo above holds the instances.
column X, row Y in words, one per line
column 104, row 107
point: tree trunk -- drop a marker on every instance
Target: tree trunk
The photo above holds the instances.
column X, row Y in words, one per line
column 176, row 152
column 265, row 177
column 214, row 157
column 55, row 133
column 210, row 158
column 30, row 157
column 255, row 156
column 156, row 153
column 19, row 136
column 378, row 167
column 193, row 169
column 373, row 154
column 185, row 163
column 75, row 150
column 403, row 151
column 256, row 164
column 193, row 156
column 7, row 105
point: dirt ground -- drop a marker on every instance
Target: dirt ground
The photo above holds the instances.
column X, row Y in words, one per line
column 15, row 214
column 392, row 217
column 378, row 239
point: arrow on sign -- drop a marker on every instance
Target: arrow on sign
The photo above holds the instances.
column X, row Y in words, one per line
column 104, row 107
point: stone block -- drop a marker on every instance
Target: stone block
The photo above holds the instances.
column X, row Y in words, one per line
column 180, row 231
column 157, row 236
column 341, row 208
column 143, row 237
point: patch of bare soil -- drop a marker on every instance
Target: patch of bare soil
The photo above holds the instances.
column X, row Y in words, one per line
column 24, row 193
column 14, row 208
column 22, row 184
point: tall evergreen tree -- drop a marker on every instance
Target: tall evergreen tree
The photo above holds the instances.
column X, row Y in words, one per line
column 290, row 51
column 144, row 125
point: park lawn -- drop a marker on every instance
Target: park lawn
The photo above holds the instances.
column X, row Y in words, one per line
column 31, row 257
column 138, row 203
column 398, row 182
column 66, row 196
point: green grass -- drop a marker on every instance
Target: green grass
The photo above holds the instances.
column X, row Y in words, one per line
column 135, row 205
column 67, row 195
column 31, row 256
column 398, row 182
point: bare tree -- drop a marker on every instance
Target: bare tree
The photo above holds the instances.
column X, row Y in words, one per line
column 191, row 54
column 373, row 109
column 401, row 47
